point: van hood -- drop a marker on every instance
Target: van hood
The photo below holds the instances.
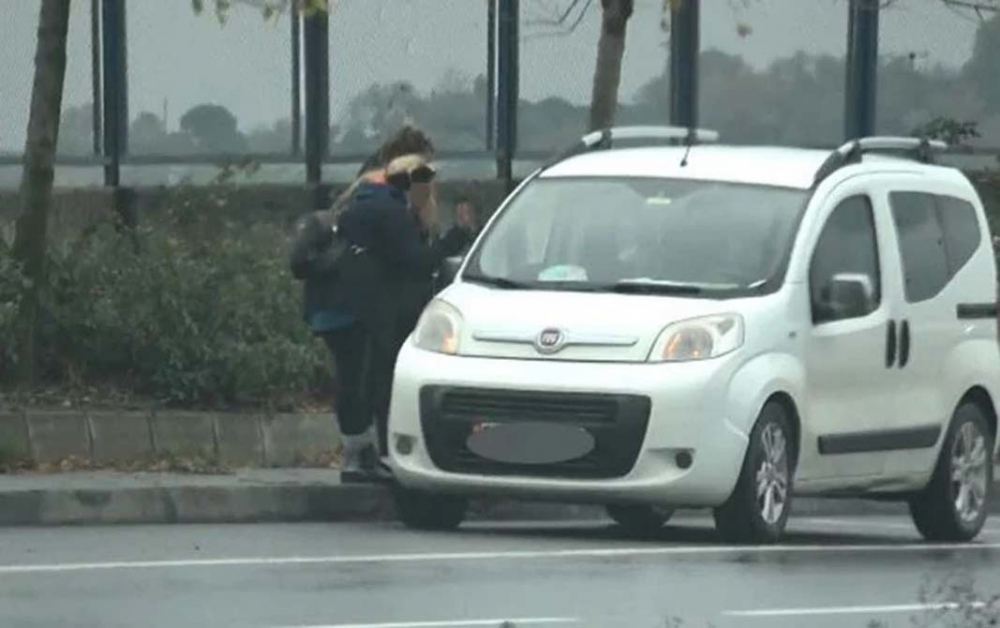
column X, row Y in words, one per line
column 570, row 326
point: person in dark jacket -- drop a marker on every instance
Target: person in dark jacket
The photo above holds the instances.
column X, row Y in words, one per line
column 319, row 259
column 341, row 307
column 381, row 221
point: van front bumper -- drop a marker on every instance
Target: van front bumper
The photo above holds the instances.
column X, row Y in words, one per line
column 690, row 413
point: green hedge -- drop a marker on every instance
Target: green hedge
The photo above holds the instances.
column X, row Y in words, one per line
column 184, row 319
column 11, row 285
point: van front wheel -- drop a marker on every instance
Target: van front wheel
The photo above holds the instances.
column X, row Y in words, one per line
column 758, row 508
column 428, row 511
column 639, row 519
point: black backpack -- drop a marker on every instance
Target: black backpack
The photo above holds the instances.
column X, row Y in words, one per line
column 317, row 249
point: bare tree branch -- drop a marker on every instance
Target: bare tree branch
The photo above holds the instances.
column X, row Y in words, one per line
column 557, row 21
column 569, row 30
column 978, row 7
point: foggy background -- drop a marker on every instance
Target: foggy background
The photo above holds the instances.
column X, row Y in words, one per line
column 771, row 71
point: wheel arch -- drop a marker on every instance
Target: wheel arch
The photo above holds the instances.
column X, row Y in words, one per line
column 787, row 403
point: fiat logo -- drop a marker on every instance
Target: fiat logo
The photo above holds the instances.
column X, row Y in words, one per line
column 550, row 341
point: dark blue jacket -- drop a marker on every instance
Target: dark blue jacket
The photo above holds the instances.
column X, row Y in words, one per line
column 371, row 286
column 379, row 220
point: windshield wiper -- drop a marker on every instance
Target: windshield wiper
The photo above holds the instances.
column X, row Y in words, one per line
column 650, row 286
column 496, row 282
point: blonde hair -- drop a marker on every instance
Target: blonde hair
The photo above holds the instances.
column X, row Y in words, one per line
column 402, row 165
column 406, row 164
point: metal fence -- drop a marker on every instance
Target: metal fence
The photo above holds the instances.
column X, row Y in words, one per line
column 155, row 93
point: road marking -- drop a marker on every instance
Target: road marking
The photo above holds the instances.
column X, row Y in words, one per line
column 617, row 552
column 458, row 623
column 857, row 523
column 555, row 524
column 857, row 610
column 875, row 525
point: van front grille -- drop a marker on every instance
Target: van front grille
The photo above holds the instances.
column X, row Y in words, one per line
column 616, row 422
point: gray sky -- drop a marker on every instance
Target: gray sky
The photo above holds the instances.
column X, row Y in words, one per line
column 244, row 64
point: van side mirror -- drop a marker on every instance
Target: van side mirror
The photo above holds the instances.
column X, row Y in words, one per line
column 847, row 295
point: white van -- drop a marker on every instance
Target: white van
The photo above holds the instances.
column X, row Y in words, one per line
column 684, row 325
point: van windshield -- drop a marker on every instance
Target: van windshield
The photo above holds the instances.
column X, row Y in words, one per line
column 641, row 235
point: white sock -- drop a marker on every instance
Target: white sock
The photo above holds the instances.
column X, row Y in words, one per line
column 357, row 442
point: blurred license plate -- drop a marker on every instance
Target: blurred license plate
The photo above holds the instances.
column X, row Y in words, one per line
column 529, row 442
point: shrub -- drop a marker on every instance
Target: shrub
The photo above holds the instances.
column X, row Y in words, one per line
column 191, row 310
column 12, row 284
column 184, row 321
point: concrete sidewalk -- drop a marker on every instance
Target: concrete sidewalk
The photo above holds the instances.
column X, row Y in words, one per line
column 267, row 495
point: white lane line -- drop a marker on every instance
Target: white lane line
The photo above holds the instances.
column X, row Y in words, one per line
column 617, row 552
column 458, row 623
column 857, row 523
column 875, row 525
column 537, row 524
column 856, row 610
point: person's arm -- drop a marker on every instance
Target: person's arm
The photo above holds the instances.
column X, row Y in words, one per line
column 405, row 250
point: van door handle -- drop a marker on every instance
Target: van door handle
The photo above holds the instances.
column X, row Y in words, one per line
column 890, row 345
column 904, row 344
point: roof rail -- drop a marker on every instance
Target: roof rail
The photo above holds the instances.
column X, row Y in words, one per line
column 917, row 148
column 636, row 136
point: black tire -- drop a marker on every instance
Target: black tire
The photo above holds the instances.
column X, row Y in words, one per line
column 935, row 510
column 741, row 519
column 638, row 519
column 428, row 511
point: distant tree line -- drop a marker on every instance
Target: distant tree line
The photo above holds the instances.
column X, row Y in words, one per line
column 796, row 100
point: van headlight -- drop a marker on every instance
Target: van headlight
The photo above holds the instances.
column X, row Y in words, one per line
column 439, row 329
column 699, row 339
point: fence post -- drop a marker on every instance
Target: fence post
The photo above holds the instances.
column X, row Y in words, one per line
column 862, row 68
column 507, row 88
column 296, row 79
column 685, row 46
column 97, row 111
column 115, row 73
column 316, row 33
column 491, row 72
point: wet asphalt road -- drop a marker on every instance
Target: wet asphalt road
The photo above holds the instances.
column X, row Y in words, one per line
column 830, row 572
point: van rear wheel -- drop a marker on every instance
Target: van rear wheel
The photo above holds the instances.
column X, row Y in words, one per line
column 758, row 508
column 955, row 503
column 639, row 519
column 428, row 511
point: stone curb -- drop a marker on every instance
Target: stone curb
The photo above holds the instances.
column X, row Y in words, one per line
column 189, row 504
column 108, row 436
column 307, row 501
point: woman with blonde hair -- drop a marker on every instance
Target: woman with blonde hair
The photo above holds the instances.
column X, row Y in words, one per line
column 357, row 308
column 344, row 307
column 388, row 221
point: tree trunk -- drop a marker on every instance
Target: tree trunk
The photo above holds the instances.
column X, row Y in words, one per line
column 38, row 175
column 608, row 73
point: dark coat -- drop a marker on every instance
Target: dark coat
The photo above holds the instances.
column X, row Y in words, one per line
column 380, row 221
column 388, row 271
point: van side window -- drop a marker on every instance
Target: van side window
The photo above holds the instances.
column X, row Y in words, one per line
column 844, row 277
column 961, row 231
column 937, row 236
